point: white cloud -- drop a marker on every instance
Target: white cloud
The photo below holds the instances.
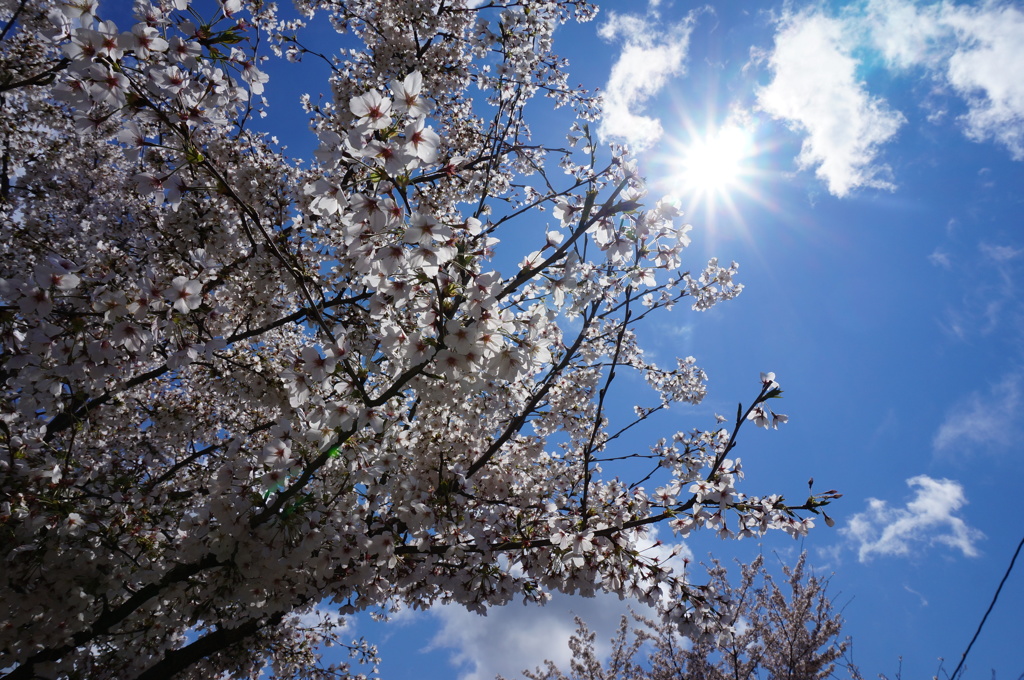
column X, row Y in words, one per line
column 972, row 52
column 514, row 637
column 324, row 613
column 984, row 420
column 905, row 34
column 816, row 91
column 986, row 70
column 975, row 51
column 651, row 53
column 929, row 518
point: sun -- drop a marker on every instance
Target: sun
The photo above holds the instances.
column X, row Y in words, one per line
column 715, row 172
column 714, row 164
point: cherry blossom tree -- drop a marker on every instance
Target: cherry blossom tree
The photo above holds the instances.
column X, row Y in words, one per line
column 790, row 633
column 241, row 390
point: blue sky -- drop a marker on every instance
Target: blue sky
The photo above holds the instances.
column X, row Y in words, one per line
column 875, row 210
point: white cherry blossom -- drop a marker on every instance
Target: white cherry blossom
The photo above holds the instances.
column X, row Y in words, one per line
column 238, row 386
column 184, row 294
column 408, row 98
column 372, row 109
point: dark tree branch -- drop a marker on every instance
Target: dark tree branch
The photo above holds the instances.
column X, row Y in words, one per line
column 178, row 660
column 113, row 617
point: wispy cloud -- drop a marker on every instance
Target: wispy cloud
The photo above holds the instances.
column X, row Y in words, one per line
column 924, row 600
column 815, row 89
column 940, row 259
column 991, row 303
column 1000, row 254
column 652, row 52
column 929, row 518
column 984, row 419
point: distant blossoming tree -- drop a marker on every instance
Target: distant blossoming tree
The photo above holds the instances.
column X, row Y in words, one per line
column 237, row 386
column 789, row 633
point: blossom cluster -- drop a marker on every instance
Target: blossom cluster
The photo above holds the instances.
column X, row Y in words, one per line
column 236, row 386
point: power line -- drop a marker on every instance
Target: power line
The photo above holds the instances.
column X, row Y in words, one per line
column 989, row 611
